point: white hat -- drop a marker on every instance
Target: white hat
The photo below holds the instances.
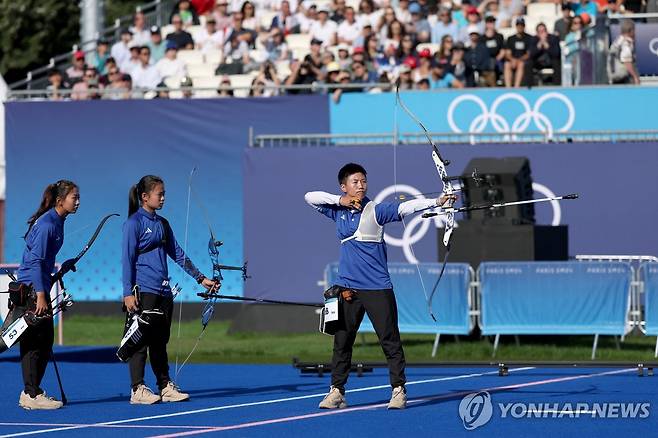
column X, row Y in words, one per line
column 473, row 28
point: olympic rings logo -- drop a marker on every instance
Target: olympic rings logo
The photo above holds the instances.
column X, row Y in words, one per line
column 521, row 123
column 417, row 227
column 653, row 46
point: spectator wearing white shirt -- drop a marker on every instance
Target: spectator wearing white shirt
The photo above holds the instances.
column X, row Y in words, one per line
column 145, row 76
column 276, row 5
column 133, row 61
column 349, row 30
column 402, row 11
column 306, row 17
column 141, row 33
column 209, row 38
column 120, row 50
column 249, row 19
column 368, row 15
column 170, row 65
column 324, row 29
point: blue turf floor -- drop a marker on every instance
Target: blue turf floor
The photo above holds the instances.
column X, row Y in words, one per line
column 275, row 400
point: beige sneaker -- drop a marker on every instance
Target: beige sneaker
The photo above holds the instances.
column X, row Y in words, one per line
column 143, row 396
column 333, row 400
column 398, row 398
column 171, row 393
column 41, row 401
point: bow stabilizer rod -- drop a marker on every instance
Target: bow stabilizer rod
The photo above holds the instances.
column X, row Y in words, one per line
column 499, row 205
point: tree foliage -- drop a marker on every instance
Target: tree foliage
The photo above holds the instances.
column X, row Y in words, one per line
column 33, row 31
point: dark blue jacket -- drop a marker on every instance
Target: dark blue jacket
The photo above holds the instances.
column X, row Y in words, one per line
column 42, row 244
column 147, row 241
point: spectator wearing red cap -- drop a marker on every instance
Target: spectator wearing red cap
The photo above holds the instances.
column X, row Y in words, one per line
column 518, row 53
column 445, row 26
column 473, row 18
column 349, row 30
column 424, row 69
column 77, row 69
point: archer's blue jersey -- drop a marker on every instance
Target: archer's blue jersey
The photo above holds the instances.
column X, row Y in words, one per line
column 362, row 265
column 146, row 244
column 42, row 244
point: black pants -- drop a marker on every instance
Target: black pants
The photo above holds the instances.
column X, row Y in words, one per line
column 157, row 345
column 36, row 348
column 382, row 310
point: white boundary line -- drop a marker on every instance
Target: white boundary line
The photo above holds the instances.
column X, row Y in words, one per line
column 382, row 405
column 242, row 405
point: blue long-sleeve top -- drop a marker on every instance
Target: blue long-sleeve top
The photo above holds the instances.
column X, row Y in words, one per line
column 42, row 244
column 147, row 241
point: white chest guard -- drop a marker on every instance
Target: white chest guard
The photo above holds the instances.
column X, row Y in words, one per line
column 369, row 230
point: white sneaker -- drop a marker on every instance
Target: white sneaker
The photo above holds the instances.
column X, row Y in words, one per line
column 143, row 395
column 41, row 401
column 398, row 398
column 172, row 393
column 333, row 400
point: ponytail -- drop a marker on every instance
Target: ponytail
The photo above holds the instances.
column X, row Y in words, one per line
column 145, row 185
column 58, row 190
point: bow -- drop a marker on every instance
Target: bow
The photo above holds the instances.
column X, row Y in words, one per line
column 69, row 265
column 217, row 277
column 440, row 163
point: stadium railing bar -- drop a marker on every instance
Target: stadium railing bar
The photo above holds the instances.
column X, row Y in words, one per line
column 314, row 140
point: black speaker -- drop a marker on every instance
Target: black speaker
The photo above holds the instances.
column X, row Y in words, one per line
column 505, row 180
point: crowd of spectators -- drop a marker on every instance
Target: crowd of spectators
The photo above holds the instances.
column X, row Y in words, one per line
column 420, row 44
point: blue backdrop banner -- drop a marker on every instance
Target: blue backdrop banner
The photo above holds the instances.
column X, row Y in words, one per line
column 554, row 297
column 450, row 305
column 106, row 146
column 559, row 110
column 289, row 244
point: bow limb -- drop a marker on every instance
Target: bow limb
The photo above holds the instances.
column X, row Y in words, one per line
column 69, row 265
column 440, row 164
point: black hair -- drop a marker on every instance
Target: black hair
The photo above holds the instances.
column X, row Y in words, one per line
column 349, row 169
column 58, row 190
column 145, row 185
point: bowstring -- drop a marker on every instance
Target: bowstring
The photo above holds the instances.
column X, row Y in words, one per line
column 395, row 185
column 185, row 241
